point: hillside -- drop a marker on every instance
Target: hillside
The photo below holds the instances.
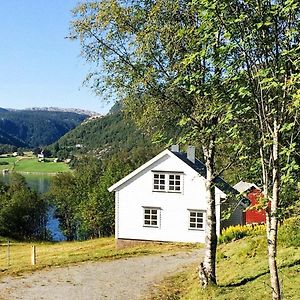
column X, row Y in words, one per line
column 242, row 268
column 34, row 128
column 110, row 133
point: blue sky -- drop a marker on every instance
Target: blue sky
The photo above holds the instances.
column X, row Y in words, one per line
column 38, row 66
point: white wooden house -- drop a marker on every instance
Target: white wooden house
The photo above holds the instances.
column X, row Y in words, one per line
column 164, row 200
column 41, row 156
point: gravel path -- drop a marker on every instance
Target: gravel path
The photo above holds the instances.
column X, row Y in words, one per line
column 119, row 279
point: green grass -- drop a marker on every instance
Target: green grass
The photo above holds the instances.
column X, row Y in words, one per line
column 10, row 160
column 32, row 165
column 242, row 271
column 66, row 253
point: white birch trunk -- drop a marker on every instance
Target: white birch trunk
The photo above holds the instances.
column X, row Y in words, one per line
column 207, row 269
column 272, row 219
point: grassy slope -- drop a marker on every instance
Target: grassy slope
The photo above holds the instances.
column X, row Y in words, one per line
column 65, row 253
column 242, row 272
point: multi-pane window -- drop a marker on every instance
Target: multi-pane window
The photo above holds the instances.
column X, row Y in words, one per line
column 167, row 182
column 174, row 182
column 196, row 219
column 151, row 217
column 159, row 183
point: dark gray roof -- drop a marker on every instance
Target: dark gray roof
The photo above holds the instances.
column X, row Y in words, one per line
column 200, row 167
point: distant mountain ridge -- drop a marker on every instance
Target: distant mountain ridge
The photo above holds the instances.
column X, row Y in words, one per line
column 55, row 109
column 37, row 127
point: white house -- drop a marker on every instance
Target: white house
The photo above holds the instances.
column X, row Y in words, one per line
column 41, row 156
column 164, row 200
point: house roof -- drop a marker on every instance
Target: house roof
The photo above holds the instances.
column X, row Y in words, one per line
column 244, row 186
column 198, row 166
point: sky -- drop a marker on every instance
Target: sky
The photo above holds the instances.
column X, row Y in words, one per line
column 39, row 67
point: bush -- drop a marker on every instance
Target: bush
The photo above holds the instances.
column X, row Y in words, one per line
column 237, row 232
column 289, row 232
column 4, row 163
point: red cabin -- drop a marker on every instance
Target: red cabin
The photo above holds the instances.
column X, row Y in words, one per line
column 253, row 193
column 253, row 215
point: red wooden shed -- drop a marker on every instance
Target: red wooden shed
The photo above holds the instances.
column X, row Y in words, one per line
column 253, row 193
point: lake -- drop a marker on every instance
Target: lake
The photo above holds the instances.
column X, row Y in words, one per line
column 41, row 184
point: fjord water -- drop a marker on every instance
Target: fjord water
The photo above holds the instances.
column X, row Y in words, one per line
column 41, row 184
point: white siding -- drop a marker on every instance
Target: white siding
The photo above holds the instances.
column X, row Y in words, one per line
column 137, row 193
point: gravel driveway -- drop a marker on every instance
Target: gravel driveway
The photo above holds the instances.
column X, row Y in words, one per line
column 119, row 279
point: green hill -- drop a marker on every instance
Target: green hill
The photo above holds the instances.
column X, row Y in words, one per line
column 34, row 128
column 108, row 134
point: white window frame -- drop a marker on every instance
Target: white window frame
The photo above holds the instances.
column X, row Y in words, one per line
column 167, row 182
column 194, row 219
column 159, row 181
column 153, row 217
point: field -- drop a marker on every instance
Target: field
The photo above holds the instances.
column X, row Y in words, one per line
column 65, row 253
column 30, row 164
column 242, row 271
column 9, row 160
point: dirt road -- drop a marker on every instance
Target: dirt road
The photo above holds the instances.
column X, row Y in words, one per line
column 119, row 279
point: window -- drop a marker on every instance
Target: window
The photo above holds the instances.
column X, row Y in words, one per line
column 151, row 216
column 159, row 182
column 167, row 182
column 196, row 219
column 174, row 182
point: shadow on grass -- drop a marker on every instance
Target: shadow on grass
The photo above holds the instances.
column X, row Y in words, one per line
column 252, row 278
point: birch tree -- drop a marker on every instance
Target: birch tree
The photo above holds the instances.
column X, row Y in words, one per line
column 265, row 36
column 165, row 60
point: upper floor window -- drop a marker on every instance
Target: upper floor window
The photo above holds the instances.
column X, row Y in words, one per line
column 159, row 183
column 167, row 182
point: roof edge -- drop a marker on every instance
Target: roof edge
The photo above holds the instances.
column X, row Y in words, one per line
column 139, row 169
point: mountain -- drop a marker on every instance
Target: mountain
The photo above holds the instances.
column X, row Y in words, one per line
column 34, row 128
column 109, row 134
column 58, row 109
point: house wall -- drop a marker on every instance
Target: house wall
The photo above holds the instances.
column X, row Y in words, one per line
column 137, row 193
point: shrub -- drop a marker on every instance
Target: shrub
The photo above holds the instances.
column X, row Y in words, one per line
column 4, row 163
column 237, row 232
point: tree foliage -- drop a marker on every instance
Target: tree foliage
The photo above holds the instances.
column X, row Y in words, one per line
column 23, row 213
column 101, row 137
column 83, row 205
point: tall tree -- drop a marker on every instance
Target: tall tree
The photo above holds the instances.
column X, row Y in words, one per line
column 265, row 37
column 165, row 59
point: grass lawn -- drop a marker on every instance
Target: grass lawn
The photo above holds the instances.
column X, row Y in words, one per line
column 65, row 253
column 32, row 165
column 9, row 160
column 242, row 271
